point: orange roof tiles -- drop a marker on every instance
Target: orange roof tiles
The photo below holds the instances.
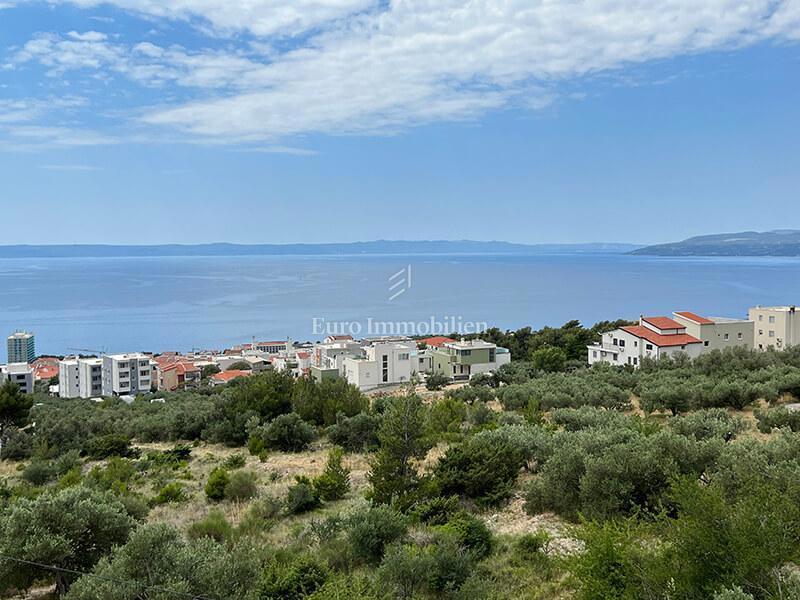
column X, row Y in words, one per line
column 436, row 341
column 695, row 318
column 662, row 341
column 227, row 376
column 663, row 323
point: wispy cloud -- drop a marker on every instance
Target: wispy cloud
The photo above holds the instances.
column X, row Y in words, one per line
column 377, row 67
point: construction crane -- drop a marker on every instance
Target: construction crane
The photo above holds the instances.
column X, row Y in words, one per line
column 87, row 351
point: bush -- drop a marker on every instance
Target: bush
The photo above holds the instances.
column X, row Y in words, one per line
column 436, row 381
column 777, row 418
column 483, row 467
column 549, row 359
column 357, row 433
column 449, row 569
column 302, row 497
column 436, row 511
column 295, row 581
column 446, row 416
column 288, row 433
column 170, row 493
column 214, row 526
column 216, row 484
column 322, row 403
column 334, row 482
column 370, row 531
column 234, row 461
column 529, row 545
column 109, row 445
column 707, row 424
column 18, row 444
column 241, row 486
column 471, row 533
column 38, row 472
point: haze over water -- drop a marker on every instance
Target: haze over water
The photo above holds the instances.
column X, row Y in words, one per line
column 180, row 303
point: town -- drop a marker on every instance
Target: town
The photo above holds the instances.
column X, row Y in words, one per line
column 377, row 363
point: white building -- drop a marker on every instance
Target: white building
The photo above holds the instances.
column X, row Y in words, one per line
column 127, row 374
column 653, row 337
column 717, row 333
column 461, row 360
column 776, row 327
column 19, row 373
column 384, row 362
column 90, row 377
column 68, row 378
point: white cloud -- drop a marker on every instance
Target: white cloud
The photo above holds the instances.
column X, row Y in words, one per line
column 37, row 136
column 373, row 69
column 261, row 17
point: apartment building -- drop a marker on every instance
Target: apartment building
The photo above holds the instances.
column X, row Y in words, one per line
column 653, row 337
column 717, row 333
column 90, row 377
column 462, row 359
column 383, row 362
column 776, row 327
column 127, row 374
column 21, row 347
column 19, row 373
column 68, row 378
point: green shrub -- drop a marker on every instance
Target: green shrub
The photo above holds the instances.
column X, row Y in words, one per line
column 17, row 445
column 450, row 566
column 777, row 418
column 370, row 531
column 357, row 433
column 234, row 461
column 405, row 570
column 446, row 416
column 334, row 482
column 471, row 533
column 217, row 482
column 116, row 476
column 302, row 497
column 707, row 424
column 214, row 526
column 483, row 467
column 299, row 579
column 109, row 445
column 241, row 485
column 170, row 493
column 529, row 545
column 288, row 433
column 436, row 511
column 436, row 381
column 734, row 593
column 38, row 472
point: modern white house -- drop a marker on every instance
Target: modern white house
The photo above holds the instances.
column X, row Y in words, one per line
column 653, row 337
column 19, row 373
column 776, row 327
column 90, row 377
column 717, row 333
column 127, row 374
column 460, row 360
column 383, row 362
column 68, row 378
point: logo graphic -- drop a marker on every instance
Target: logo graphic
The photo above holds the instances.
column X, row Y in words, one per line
column 400, row 283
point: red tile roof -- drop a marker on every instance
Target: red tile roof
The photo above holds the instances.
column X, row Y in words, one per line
column 43, row 371
column 662, row 341
column 436, row 341
column 303, row 355
column 227, row 376
column 663, row 323
column 695, row 318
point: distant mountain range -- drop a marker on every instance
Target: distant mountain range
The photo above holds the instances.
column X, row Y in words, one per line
column 376, row 247
column 784, row 242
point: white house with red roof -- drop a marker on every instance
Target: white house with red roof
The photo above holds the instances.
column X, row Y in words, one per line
column 653, row 337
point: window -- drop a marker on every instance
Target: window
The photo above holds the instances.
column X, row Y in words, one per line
column 615, row 356
column 403, row 356
column 622, row 343
column 648, row 347
column 727, row 337
column 760, row 332
column 772, row 319
column 594, row 353
column 615, row 342
column 740, row 335
column 492, row 357
column 771, row 333
column 705, row 343
column 635, row 360
column 760, row 317
column 466, row 353
column 635, row 343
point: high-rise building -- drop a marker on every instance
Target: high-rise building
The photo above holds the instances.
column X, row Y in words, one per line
column 21, row 347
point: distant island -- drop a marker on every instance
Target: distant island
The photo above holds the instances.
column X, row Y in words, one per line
column 784, row 242
column 388, row 247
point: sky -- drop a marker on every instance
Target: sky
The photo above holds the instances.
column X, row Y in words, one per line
column 276, row 121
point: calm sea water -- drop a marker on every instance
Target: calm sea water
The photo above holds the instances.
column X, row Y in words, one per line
column 162, row 304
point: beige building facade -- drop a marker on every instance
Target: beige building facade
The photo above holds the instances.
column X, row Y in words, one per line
column 718, row 333
column 776, row 327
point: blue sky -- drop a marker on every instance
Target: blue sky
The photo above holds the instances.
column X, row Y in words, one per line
column 150, row 121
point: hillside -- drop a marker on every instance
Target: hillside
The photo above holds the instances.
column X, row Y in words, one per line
column 784, row 242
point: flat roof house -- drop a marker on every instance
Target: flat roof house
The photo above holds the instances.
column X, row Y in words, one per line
column 653, row 337
column 460, row 360
column 19, row 373
column 776, row 327
column 717, row 333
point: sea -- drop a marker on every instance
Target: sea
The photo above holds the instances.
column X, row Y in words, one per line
column 161, row 304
